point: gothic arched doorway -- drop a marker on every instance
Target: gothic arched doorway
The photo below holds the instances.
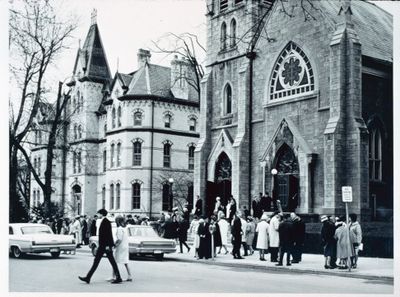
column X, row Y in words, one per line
column 221, row 187
column 77, row 199
column 286, row 181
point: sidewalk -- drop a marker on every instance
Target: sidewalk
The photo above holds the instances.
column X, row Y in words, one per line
column 368, row 268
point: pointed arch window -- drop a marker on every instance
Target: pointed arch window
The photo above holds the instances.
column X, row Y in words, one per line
column 227, row 99
column 113, row 118
column 191, row 157
column 233, row 33
column 103, row 197
column 77, row 101
column 119, row 154
column 104, row 160
column 118, row 194
column 79, row 161
column 119, row 116
column 112, row 155
column 74, row 162
column 375, row 154
column 39, row 165
column 167, row 155
column 79, row 132
column 292, row 74
column 136, row 195
column 112, row 196
column 223, row 36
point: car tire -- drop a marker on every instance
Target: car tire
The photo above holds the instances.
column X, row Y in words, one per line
column 94, row 250
column 159, row 257
column 16, row 252
column 55, row 254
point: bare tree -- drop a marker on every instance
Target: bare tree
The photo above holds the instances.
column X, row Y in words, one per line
column 185, row 45
column 37, row 36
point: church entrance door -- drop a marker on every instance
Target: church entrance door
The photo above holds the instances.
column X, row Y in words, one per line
column 286, row 183
column 77, row 199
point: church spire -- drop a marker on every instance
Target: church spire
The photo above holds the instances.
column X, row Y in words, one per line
column 93, row 17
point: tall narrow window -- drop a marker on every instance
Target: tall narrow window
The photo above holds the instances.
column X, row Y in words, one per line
column 35, row 164
column 167, row 121
column 39, row 165
column 34, row 198
column 375, row 155
column 79, row 161
column 137, row 118
column 223, row 36
column 119, row 116
column 167, row 155
column 103, row 197
column 192, row 124
column 105, row 129
column 118, row 202
column 135, row 196
column 112, row 155
column 38, row 198
column 228, row 99
column 137, row 153
column 165, row 197
column 104, row 160
column 111, row 196
column 191, row 157
column 80, row 132
column 75, row 132
column 233, row 33
column 118, row 154
column 74, row 162
column 113, row 115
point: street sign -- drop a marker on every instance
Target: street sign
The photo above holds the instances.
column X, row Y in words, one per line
column 347, row 194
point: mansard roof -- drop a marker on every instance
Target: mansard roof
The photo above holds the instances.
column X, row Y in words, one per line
column 92, row 58
column 373, row 25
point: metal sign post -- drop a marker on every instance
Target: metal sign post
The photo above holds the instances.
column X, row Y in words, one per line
column 347, row 196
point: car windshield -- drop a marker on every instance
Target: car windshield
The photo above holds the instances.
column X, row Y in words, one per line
column 145, row 232
column 36, row 229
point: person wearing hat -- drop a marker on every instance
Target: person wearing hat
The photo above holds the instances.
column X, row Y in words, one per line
column 106, row 244
column 262, row 238
column 328, row 240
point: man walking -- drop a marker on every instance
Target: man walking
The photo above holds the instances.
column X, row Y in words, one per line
column 299, row 234
column 285, row 241
column 106, row 244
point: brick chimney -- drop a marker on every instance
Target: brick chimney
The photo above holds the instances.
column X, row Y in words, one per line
column 143, row 57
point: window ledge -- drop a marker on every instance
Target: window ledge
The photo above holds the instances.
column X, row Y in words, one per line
column 276, row 102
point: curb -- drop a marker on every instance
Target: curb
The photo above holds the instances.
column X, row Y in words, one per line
column 275, row 269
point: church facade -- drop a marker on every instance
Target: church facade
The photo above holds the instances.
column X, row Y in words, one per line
column 128, row 136
column 297, row 101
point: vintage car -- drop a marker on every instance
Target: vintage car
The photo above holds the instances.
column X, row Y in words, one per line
column 37, row 238
column 143, row 240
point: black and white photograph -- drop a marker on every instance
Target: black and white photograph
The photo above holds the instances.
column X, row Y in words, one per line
column 182, row 147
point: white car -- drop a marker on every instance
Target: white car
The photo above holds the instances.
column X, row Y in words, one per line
column 143, row 240
column 37, row 238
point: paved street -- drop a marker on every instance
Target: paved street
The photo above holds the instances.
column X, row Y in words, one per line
column 41, row 273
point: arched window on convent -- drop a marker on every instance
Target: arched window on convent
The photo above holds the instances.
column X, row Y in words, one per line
column 223, row 36
column 233, row 33
column 113, row 118
column 112, row 155
column 137, row 153
column 167, row 154
column 167, row 120
column 111, row 196
column 104, row 160
column 375, row 154
column 136, row 195
column 137, row 118
column 292, row 74
column 103, row 197
column 75, row 131
column 119, row 154
column 191, row 157
column 118, row 194
column 80, row 132
column 227, row 100
column 119, row 116
column 79, row 162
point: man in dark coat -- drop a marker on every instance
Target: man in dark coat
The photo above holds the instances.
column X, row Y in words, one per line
column 198, row 207
column 183, row 226
column 256, row 205
column 299, row 234
column 93, row 227
column 205, row 239
column 236, row 236
column 285, row 240
column 106, row 244
column 84, row 223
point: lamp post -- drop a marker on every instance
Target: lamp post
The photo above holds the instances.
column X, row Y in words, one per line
column 171, row 196
column 274, row 199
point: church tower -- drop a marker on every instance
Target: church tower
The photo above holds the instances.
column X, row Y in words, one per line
column 91, row 75
column 223, row 152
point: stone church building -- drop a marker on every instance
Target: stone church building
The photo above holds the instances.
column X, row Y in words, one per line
column 297, row 101
column 128, row 136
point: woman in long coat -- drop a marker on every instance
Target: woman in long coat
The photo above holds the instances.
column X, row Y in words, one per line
column 250, row 232
column 344, row 248
column 194, row 226
column 205, row 240
column 76, row 230
column 216, row 234
column 224, row 230
column 274, row 237
column 262, row 238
